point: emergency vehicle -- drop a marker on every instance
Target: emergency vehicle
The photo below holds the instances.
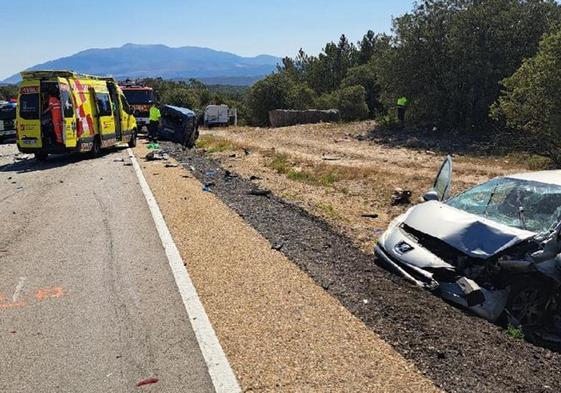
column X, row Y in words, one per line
column 140, row 99
column 7, row 120
column 62, row 111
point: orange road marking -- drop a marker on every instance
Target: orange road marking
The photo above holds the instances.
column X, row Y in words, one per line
column 49, row 293
column 11, row 304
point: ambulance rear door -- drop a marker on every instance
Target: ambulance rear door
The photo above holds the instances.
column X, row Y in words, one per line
column 104, row 114
column 29, row 115
column 69, row 136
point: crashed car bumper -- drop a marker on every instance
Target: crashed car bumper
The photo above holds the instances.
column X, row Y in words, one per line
column 458, row 290
column 423, row 280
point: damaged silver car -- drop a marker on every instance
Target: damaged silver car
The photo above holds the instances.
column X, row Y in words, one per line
column 493, row 249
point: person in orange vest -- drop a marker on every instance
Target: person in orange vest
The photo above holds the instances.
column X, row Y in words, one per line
column 55, row 109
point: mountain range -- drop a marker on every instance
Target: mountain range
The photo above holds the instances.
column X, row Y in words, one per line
column 140, row 61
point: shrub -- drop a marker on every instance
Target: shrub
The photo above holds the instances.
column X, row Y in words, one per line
column 266, row 95
column 531, row 96
column 352, row 104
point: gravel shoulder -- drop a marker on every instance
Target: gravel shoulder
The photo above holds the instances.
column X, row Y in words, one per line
column 280, row 330
column 457, row 351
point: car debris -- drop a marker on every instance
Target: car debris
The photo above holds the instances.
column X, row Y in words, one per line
column 148, row 381
column 156, row 155
column 258, row 192
column 401, row 197
column 331, row 158
column 494, row 249
column 277, row 246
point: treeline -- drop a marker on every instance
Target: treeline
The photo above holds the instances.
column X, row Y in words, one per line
column 450, row 58
column 343, row 76
column 8, row 92
column 195, row 95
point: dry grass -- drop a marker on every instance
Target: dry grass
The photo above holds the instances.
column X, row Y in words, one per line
column 214, row 144
column 357, row 179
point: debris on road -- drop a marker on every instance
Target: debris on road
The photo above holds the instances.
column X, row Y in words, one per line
column 401, row 197
column 149, row 381
column 277, row 246
column 229, row 175
column 156, row 155
column 171, row 165
column 370, row 215
column 258, row 192
column 22, row 157
column 330, row 158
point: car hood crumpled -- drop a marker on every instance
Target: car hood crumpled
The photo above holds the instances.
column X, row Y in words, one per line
column 473, row 235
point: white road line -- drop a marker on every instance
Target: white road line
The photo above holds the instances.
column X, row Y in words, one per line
column 19, row 288
column 219, row 369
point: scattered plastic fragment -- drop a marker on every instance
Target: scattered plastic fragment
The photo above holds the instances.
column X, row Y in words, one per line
column 260, row 192
column 149, row 381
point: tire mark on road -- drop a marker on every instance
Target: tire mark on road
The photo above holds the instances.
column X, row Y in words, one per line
column 144, row 363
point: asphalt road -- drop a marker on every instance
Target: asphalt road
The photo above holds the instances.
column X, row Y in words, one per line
column 87, row 299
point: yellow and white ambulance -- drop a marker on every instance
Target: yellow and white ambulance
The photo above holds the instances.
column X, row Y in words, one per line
column 62, row 111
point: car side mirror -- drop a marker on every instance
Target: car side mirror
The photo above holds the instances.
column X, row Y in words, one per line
column 432, row 195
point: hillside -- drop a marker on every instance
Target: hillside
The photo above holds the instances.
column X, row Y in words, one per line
column 135, row 61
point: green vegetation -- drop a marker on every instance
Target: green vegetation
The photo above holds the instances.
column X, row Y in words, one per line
column 341, row 77
column 449, row 58
column 214, row 144
column 531, row 97
column 9, row 91
column 319, row 175
column 280, row 164
column 515, row 332
column 328, row 210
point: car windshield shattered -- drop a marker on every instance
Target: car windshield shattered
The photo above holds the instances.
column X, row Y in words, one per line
column 523, row 204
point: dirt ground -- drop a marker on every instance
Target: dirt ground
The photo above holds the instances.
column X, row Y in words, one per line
column 338, row 173
column 280, row 330
column 457, row 351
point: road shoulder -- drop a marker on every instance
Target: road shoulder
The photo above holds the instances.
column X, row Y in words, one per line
column 279, row 329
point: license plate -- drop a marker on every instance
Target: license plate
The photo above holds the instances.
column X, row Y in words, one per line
column 29, row 141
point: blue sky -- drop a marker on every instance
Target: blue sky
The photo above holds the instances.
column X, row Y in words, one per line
column 34, row 31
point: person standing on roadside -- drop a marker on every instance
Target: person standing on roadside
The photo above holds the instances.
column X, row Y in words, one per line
column 402, row 104
column 154, row 125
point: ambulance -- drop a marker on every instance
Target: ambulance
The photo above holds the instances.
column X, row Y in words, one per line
column 62, row 111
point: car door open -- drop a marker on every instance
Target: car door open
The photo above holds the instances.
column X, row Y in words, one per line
column 441, row 187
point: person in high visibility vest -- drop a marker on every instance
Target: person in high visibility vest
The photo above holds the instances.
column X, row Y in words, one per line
column 402, row 103
column 154, row 124
column 55, row 110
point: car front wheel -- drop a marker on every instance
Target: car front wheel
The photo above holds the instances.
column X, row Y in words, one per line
column 528, row 301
